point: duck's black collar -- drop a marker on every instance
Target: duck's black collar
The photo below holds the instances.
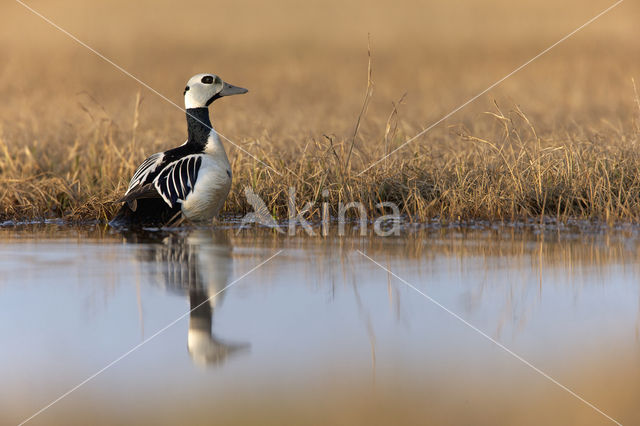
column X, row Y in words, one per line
column 198, row 126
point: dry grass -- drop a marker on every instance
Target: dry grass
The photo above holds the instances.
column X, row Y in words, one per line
column 559, row 139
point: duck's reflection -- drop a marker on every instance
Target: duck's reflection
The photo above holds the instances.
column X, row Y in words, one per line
column 198, row 264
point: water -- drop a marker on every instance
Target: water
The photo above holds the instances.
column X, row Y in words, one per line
column 318, row 334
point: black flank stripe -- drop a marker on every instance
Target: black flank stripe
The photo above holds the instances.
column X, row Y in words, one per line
column 176, row 180
column 192, row 171
column 190, row 162
column 162, row 185
column 184, row 175
column 172, row 185
column 166, row 187
column 190, row 165
column 196, row 168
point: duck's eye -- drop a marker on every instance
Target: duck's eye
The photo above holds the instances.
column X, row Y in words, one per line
column 207, row 79
column 186, row 89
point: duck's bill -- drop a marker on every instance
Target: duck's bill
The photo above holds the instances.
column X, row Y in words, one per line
column 230, row 89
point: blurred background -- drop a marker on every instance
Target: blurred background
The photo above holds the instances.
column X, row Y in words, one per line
column 305, row 63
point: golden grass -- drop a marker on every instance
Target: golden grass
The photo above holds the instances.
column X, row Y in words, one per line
column 558, row 139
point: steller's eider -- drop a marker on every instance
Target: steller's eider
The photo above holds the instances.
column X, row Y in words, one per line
column 191, row 181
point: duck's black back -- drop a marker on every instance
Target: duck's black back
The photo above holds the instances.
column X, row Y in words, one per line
column 149, row 212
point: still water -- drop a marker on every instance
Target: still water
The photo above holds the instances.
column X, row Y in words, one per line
column 222, row 326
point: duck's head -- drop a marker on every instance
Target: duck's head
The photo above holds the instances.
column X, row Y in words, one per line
column 202, row 89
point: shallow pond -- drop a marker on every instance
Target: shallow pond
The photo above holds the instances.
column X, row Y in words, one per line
column 436, row 326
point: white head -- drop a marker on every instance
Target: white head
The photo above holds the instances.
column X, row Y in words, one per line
column 202, row 89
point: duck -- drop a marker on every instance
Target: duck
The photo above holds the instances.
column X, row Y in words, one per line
column 190, row 182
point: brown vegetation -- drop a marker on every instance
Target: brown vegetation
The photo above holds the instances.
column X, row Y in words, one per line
column 557, row 139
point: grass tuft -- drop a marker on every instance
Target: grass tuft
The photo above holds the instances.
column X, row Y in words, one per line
column 559, row 139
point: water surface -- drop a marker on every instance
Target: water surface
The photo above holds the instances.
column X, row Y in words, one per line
column 319, row 334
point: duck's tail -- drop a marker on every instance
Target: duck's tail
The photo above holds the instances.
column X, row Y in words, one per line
column 149, row 212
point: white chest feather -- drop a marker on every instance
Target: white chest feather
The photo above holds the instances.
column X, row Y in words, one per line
column 210, row 190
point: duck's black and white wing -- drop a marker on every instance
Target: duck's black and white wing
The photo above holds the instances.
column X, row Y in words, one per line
column 177, row 179
column 145, row 172
column 159, row 177
column 140, row 185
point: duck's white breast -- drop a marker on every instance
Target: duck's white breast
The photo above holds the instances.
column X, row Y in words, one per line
column 210, row 190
